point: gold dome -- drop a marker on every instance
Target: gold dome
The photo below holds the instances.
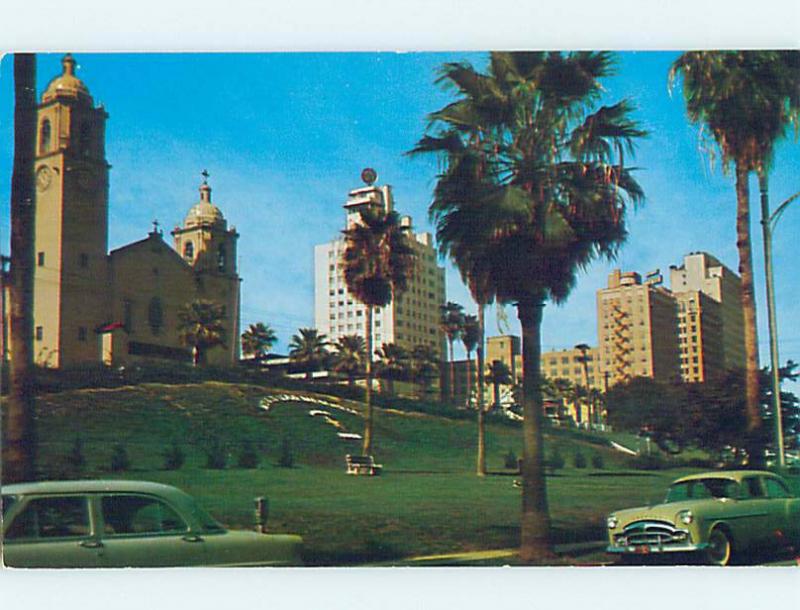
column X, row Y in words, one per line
column 204, row 212
column 66, row 85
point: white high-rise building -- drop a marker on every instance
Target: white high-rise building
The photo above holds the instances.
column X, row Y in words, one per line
column 411, row 319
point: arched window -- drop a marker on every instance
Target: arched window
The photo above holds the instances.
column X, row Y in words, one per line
column 221, row 257
column 85, row 138
column 44, row 136
column 188, row 251
column 155, row 315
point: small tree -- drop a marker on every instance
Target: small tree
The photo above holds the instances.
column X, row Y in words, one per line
column 309, row 349
column 597, row 461
column 286, row 458
column 201, row 326
column 452, row 323
column 579, row 459
column 351, row 352
column 216, row 457
column 393, row 365
column 424, row 367
column 174, row 457
column 248, row 456
column 76, row 458
column 258, row 340
column 555, row 461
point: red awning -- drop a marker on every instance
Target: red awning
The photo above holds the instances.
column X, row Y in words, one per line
column 107, row 328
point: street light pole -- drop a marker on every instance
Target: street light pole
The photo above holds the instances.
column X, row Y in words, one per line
column 768, row 223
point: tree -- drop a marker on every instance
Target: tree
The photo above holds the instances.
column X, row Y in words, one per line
column 424, row 367
column 584, row 360
column 309, row 350
column 258, row 340
column 378, row 260
column 351, row 352
column 745, row 99
column 534, row 181
column 393, row 364
column 451, row 322
column 19, row 442
column 201, row 326
column 470, row 336
column 499, row 374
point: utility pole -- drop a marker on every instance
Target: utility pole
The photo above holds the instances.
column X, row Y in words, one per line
column 768, row 223
column 19, row 443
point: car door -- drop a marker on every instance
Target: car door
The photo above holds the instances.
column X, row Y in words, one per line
column 140, row 530
column 784, row 512
column 52, row 532
column 754, row 513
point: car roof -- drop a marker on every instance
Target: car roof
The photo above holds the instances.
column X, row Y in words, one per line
column 735, row 475
column 96, row 486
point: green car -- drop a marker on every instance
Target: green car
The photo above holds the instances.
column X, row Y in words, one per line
column 714, row 514
column 114, row 524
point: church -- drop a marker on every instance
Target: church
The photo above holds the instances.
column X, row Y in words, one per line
column 118, row 307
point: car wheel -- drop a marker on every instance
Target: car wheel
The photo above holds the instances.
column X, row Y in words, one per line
column 720, row 548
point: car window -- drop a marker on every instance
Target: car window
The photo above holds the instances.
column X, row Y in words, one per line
column 8, row 502
column 129, row 514
column 776, row 488
column 56, row 517
column 752, row 487
column 699, row 489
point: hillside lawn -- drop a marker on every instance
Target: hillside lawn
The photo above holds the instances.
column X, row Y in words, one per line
column 428, row 500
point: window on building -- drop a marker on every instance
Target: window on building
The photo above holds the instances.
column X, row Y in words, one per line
column 155, row 315
column 44, row 136
column 188, row 250
column 40, row 259
column 39, row 333
column 127, row 315
column 85, row 139
column 81, row 333
column 221, row 258
column 84, row 260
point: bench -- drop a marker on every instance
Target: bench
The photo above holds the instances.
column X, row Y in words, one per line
column 362, row 464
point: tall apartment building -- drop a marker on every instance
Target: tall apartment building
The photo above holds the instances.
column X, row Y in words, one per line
column 700, row 335
column 411, row 319
column 636, row 328
column 701, row 272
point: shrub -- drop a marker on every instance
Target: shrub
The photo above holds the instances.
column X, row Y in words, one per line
column 555, row 461
column 598, row 462
column 120, row 462
column 216, row 459
column 510, row 460
column 651, row 461
column 174, row 457
column 75, row 458
column 286, row 458
column 579, row 460
column 248, row 456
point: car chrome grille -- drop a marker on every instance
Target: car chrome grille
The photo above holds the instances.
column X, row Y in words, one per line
column 652, row 533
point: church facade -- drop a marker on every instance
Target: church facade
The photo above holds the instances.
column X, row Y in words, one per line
column 118, row 307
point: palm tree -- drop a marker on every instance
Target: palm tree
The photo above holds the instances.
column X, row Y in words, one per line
column 393, row 364
column 309, row 350
column 451, row 322
column 745, row 99
column 201, row 326
column 258, row 340
column 534, row 181
column 470, row 336
column 424, row 367
column 351, row 352
column 378, row 260
column 499, row 374
column 19, row 439
column 584, row 360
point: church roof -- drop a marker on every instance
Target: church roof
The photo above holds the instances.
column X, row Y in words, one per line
column 67, row 85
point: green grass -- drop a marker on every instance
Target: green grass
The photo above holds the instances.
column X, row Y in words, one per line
column 428, row 501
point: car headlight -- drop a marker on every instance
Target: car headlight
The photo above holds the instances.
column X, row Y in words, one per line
column 612, row 522
column 685, row 517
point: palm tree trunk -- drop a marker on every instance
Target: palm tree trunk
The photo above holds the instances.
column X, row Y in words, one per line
column 743, row 243
column 452, row 374
column 19, row 445
column 481, row 423
column 469, row 376
column 367, row 447
column 535, row 521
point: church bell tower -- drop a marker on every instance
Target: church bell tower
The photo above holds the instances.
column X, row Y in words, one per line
column 71, row 227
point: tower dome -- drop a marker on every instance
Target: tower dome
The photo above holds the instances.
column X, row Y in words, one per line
column 67, row 85
column 204, row 212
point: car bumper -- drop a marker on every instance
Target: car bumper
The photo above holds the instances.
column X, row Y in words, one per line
column 646, row 549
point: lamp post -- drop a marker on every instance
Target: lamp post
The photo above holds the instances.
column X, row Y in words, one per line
column 768, row 222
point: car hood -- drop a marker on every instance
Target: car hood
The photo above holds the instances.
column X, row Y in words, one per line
column 667, row 511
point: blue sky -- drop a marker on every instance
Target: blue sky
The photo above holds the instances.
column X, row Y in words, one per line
column 285, row 136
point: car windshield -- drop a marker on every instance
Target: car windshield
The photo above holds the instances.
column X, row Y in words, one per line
column 699, row 489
